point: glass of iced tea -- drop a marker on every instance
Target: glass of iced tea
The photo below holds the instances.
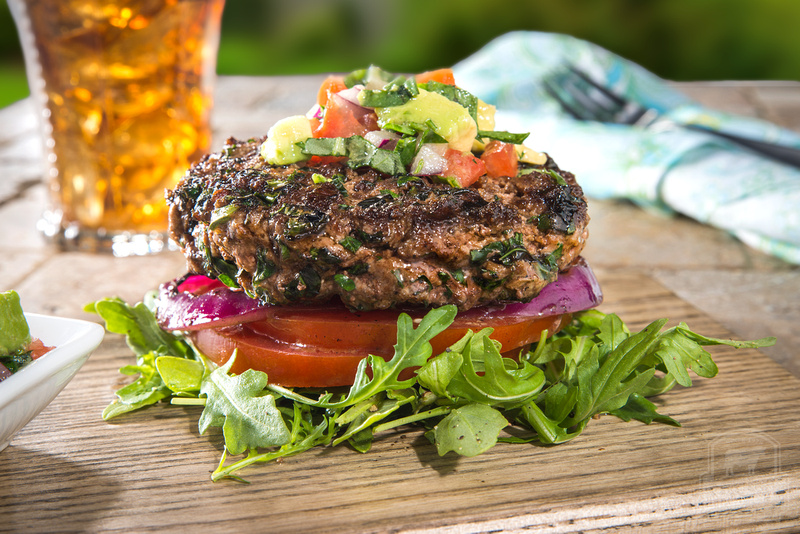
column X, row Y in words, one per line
column 125, row 89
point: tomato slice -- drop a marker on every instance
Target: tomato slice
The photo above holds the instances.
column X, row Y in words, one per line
column 321, row 347
column 286, row 365
column 463, row 166
column 500, row 159
column 439, row 75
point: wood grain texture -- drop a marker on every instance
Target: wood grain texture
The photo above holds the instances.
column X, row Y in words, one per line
column 733, row 466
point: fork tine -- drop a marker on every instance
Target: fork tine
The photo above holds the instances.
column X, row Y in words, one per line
column 628, row 111
column 579, row 98
column 595, row 106
column 552, row 90
column 585, row 98
column 608, row 93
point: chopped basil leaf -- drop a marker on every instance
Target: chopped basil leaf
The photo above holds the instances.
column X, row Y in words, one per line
column 264, row 268
column 345, row 282
column 338, row 182
column 399, row 277
column 221, row 215
column 306, row 284
column 403, row 180
column 505, row 137
column 326, row 146
column 504, row 252
column 359, row 151
column 547, row 264
column 358, row 268
column 16, row 360
column 557, row 177
column 301, row 221
column 425, row 281
column 350, row 243
column 324, row 255
column 395, row 93
column 449, row 180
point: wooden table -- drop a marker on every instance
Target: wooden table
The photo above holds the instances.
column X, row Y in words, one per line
column 733, row 466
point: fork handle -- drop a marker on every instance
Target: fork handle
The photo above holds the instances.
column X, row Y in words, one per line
column 785, row 154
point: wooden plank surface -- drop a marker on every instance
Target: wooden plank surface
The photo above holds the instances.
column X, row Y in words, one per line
column 733, row 466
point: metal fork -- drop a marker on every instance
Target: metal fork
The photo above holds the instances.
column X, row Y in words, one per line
column 586, row 99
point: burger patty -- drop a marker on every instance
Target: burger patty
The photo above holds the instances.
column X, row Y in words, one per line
column 298, row 233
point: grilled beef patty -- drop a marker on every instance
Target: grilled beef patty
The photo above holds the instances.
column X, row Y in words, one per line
column 299, row 233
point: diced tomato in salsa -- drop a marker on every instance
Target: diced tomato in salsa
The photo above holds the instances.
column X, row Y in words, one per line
column 439, row 75
column 331, row 85
column 344, row 119
column 463, row 166
column 500, row 159
column 38, row 348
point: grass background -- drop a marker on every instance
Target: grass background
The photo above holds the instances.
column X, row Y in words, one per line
column 676, row 39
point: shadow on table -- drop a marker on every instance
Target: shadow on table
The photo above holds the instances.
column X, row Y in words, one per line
column 68, row 495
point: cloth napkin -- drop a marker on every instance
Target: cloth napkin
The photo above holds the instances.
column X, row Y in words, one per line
column 672, row 170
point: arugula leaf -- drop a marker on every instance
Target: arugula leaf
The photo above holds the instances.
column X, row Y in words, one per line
column 139, row 325
column 413, row 349
column 148, row 389
column 643, row 410
column 681, row 349
column 606, row 386
column 377, row 409
column 469, row 430
column 437, row 373
column 549, row 431
column 496, row 385
column 305, row 435
column 181, row 375
column 559, row 401
column 235, row 403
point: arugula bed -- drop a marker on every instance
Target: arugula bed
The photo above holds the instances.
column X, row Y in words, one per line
column 462, row 398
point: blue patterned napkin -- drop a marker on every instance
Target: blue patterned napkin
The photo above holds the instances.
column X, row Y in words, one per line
column 675, row 170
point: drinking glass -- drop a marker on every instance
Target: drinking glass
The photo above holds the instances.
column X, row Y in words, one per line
column 124, row 89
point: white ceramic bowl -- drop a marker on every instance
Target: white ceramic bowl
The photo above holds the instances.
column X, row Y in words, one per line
column 27, row 392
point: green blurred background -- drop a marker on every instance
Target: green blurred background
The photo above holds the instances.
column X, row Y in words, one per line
column 676, row 39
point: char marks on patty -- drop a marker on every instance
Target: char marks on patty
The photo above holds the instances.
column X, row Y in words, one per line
column 300, row 233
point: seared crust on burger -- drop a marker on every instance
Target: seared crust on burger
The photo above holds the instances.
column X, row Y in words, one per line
column 301, row 233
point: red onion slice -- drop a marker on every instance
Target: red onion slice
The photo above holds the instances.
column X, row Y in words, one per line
column 198, row 283
column 575, row 290
column 382, row 138
column 351, row 94
column 219, row 307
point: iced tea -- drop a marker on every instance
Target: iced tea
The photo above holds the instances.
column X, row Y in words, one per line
column 127, row 91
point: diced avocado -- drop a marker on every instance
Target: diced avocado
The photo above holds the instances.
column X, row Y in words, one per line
column 427, row 109
column 281, row 148
column 14, row 330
